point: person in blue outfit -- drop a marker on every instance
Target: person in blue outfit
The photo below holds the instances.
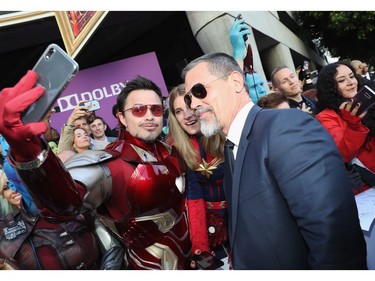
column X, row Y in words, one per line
column 15, row 181
column 290, row 200
column 253, row 80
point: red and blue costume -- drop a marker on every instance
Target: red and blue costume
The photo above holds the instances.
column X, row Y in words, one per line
column 207, row 207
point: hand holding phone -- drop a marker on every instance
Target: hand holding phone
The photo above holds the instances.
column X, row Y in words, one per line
column 366, row 97
column 245, row 37
column 92, row 105
column 207, row 261
column 55, row 70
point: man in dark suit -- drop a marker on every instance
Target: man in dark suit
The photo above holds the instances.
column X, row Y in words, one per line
column 290, row 202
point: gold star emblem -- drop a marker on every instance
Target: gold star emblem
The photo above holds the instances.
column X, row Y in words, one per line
column 207, row 169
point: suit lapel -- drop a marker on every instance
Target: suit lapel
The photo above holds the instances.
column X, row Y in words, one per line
column 238, row 166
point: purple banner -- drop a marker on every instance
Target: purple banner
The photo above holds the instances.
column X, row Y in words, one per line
column 105, row 83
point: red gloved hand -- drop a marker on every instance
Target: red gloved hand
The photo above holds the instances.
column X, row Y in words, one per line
column 23, row 140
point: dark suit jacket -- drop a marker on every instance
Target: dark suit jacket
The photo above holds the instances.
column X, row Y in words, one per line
column 291, row 204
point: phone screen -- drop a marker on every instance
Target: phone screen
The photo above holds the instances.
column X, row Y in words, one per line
column 207, row 261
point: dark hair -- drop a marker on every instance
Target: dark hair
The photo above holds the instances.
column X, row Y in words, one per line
column 272, row 100
column 139, row 83
column 329, row 97
column 327, row 92
column 115, row 110
column 95, row 118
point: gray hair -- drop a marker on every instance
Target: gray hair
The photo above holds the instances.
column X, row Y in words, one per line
column 219, row 64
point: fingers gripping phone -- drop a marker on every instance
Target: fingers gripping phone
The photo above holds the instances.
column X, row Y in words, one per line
column 92, row 105
column 207, row 261
column 55, row 69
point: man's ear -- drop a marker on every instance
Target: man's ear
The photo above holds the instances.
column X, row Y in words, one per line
column 238, row 80
column 122, row 119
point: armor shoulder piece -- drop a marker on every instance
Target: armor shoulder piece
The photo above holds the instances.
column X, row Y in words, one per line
column 89, row 157
column 90, row 170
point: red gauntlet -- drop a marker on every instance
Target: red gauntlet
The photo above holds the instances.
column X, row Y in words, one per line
column 23, row 140
column 217, row 229
column 198, row 226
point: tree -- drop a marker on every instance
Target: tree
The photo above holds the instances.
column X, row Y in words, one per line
column 348, row 35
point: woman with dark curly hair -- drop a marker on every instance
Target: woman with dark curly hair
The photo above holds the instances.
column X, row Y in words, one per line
column 354, row 135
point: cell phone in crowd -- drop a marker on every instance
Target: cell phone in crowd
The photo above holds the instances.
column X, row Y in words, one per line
column 365, row 96
column 92, row 105
column 239, row 17
column 55, row 69
column 207, row 261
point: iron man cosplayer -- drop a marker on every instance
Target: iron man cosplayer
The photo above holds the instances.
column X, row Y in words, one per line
column 136, row 186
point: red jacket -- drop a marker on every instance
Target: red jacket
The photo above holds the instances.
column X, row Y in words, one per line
column 350, row 142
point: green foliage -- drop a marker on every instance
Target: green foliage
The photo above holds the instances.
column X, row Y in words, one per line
column 346, row 34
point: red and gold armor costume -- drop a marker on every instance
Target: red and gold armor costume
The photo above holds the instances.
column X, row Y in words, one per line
column 148, row 204
column 136, row 187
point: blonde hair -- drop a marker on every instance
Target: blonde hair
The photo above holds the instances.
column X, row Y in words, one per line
column 3, row 182
column 5, row 206
column 182, row 141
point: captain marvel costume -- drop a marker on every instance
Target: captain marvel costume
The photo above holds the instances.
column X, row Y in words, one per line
column 138, row 186
column 207, row 206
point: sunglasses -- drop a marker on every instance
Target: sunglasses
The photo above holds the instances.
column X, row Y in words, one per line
column 140, row 110
column 199, row 91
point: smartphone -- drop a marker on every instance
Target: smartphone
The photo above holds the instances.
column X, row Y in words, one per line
column 55, row 69
column 207, row 261
column 92, row 105
column 239, row 17
column 365, row 96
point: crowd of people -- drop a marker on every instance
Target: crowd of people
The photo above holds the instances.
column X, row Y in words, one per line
column 260, row 180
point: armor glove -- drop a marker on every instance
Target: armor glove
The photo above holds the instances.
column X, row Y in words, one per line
column 236, row 33
column 217, row 229
column 23, row 140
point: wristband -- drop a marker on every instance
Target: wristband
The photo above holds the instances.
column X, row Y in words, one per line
column 32, row 164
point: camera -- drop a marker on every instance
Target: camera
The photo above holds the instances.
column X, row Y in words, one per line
column 92, row 105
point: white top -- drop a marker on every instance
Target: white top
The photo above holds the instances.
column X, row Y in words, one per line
column 235, row 130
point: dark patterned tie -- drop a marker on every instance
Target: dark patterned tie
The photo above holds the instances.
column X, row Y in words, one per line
column 229, row 167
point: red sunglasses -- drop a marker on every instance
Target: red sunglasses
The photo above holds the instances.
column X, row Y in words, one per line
column 140, row 110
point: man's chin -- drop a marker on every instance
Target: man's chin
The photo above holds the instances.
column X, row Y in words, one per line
column 209, row 130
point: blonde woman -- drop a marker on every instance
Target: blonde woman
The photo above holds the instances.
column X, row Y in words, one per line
column 8, row 201
column 79, row 143
column 204, row 159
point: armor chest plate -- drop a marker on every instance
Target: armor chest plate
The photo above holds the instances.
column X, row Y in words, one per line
column 155, row 188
